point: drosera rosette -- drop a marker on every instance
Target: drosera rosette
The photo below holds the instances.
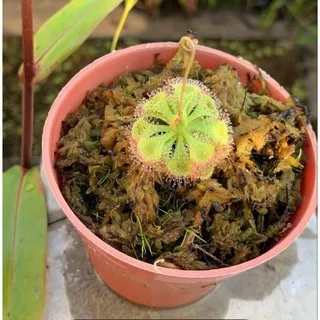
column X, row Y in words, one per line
column 181, row 142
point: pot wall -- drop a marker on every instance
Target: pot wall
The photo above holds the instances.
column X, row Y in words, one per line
column 133, row 279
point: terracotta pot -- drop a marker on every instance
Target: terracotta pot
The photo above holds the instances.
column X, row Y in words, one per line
column 133, row 279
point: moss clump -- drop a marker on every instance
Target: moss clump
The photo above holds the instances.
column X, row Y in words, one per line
column 234, row 215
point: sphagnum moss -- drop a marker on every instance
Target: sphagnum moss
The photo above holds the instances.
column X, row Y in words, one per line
column 243, row 174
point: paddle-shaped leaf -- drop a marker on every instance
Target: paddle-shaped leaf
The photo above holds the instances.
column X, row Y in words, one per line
column 24, row 245
column 65, row 31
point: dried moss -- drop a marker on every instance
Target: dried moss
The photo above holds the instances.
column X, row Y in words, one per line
column 234, row 216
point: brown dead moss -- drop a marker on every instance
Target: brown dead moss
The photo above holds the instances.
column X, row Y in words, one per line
column 234, row 216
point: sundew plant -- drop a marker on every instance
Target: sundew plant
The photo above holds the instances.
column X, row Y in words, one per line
column 180, row 131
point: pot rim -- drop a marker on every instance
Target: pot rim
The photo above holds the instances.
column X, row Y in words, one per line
column 285, row 242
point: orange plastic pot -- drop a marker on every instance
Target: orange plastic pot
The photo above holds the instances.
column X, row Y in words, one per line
column 135, row 280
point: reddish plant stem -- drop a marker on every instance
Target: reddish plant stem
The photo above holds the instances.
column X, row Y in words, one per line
column 27, row 81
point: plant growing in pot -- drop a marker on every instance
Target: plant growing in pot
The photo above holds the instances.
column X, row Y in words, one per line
column 180, row 173
column 180, row 166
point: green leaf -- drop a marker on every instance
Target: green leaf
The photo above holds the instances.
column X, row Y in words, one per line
column 179, row 164
column 65, row 31
column 199, row 150
column 142, row 128
column 24, row 245
column 269, row 16
column 220, row 132
column 307, row 39
column 151, row 148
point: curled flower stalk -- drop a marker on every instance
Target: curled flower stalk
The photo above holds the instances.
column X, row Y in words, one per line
column 183, row 150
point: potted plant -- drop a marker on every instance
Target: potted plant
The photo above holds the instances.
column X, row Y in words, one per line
column 180, row 166
column 195, row 171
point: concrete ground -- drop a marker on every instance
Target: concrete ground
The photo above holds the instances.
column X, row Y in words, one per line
column 283, row 288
